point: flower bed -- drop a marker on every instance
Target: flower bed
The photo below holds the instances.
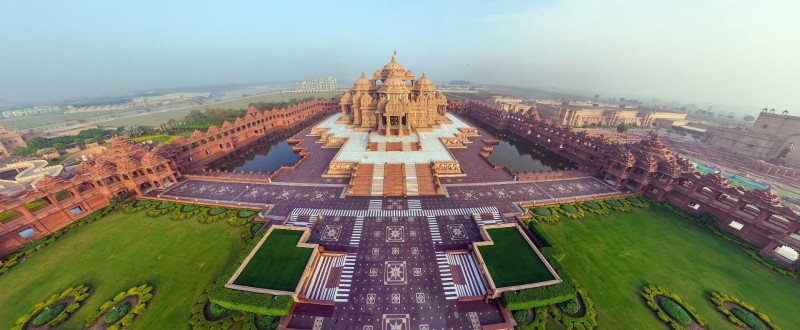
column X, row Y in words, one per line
column 184, row 211
column 160, row 208
column 671, row 312
column 595, row 207
column 56, row 309
column 740, row 313
column 571, row 211
column 138, row 205
column 578, row 312
column 544, row 213
column 242, row 217
column 113, row 314
column 214, row 214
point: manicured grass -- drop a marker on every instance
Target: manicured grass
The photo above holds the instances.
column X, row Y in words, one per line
column 613, row 257
column 511, row 261
column 278, row 263
column 120, row 251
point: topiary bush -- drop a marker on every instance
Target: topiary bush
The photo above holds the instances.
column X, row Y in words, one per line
column 143, row 293
column 594, row 207
column 571, row 306
column 571, row 211
column 221, row 318
column 670, row 315
column 570, row 320
column 544, row 213
column 675, row 311
column 214, row 214
column 520, row 315
column 116, row 313
column 56, row 309
column 242, row 217
column 185, row 211
column 746, row 316
column 138, row 205
column 160, row 208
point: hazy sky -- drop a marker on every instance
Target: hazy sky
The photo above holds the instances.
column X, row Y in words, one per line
column 728, row 51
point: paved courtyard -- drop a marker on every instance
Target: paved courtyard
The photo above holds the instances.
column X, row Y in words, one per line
column 387, row 265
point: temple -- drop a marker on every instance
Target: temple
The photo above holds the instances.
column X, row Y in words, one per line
column 393, row 102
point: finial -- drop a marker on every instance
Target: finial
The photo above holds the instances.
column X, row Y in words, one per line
column 394, row 55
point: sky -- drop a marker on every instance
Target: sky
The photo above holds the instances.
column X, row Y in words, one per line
column 720, row 51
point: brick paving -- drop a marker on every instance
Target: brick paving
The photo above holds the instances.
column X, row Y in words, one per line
column 391, row 276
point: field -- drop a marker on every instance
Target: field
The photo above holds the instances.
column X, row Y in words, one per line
column 122, row 250
column 278, row 263
column 613, row 257
column 52, row 118
column 160, row 118
column 507, row 269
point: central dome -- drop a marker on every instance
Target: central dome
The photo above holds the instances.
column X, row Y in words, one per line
column 393, row 68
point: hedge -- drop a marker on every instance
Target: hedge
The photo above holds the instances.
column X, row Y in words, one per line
column 650, row 292
column 571, row 211
column 548, row 249
column 520, row 315
column 571, row 306
column 198, row 319
column 595, row 207
column 740, row 319
column 51, row 317
column 259, row 303
column 544, row 213
column 587, row 321
column 144, row 292
column 747, row 318
column 544, row 295
column 539, row 320
column 184, row 211
column 675, row 311
column 158, row 209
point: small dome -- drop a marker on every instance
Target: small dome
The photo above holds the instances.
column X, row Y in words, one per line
column 424, row 85
column 394, row 85
column 362, row 84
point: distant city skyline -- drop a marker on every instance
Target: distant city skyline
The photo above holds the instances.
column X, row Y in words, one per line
column 721, row 52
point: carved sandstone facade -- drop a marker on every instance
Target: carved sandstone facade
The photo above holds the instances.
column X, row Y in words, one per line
column 393, row 101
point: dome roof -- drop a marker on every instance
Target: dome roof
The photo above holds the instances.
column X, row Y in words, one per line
column 394, row 85
column 393, row 68
column 362, row 84
column 424, row 84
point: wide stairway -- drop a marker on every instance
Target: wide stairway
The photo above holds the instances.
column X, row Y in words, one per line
column 407, row 179
column 393, row 180
column 377, row 180
column 361, row 182
column 412, row 187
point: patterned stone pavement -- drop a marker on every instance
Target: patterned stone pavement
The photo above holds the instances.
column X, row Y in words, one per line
column 391, row 274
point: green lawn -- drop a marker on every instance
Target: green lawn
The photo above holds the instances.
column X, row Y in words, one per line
column 160, row 118
column 278, row 264
column 122, row 250
column 613, row 257
column 522, row 266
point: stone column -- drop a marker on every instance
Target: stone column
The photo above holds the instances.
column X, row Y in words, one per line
column 400, row 125
column 388, row 125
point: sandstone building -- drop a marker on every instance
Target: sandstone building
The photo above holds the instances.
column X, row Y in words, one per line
column 581, row 113
column 392, row 101
column 769, row 136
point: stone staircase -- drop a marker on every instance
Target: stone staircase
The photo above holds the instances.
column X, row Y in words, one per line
column 377, row 180
column 412, row 186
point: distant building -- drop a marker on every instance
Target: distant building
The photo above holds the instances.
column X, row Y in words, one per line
column 167, row 98
column 31, row 111
column 8, row 141
column 318, row 85
column 509, row 103
column 771, row 136
column 582, row 113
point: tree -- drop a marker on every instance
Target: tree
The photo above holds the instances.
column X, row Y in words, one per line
column 622, row 128
column 749, row 118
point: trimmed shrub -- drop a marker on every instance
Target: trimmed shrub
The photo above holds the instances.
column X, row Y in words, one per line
column 116, row 313
column 520, row 315
column 586, row 321
column 214, row 214
column 571, row 211
column 571, row 306
column 666, row 312
column 49, row 313
column 747, row 318
column 544, row 213
column 54, row 311
column 246, row 213
column 594, row 207
column 675, row 311
column 217, row 310
column 743, row 314
column 123, row 315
